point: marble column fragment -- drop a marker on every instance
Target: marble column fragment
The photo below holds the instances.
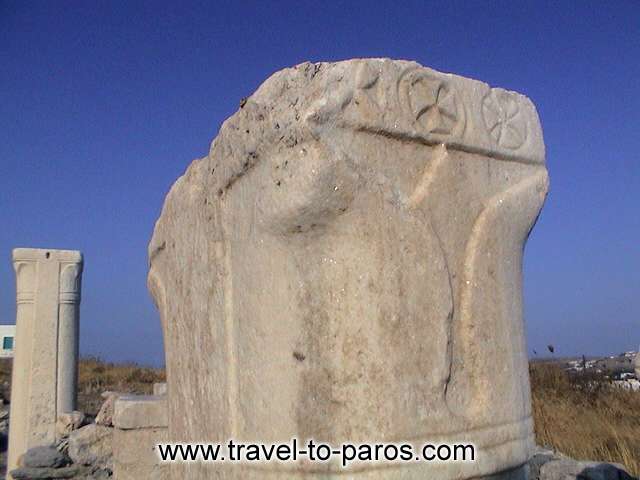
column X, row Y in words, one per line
column 45, row 365
column 346, row 265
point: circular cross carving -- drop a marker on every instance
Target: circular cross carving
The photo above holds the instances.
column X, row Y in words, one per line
column 432, row 102
column 503, row 118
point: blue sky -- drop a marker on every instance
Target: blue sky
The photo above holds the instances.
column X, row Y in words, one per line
column 104, row 104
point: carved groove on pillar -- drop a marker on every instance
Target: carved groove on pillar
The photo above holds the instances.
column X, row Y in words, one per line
column 70, row 283
column 25, row 281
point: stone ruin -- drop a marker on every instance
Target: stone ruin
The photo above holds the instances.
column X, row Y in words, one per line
column 45, row 366
column 346, row 265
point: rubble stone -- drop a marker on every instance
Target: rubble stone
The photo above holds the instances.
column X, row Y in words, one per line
column 92, row 445
column 105, row 414
column 68, row 422
column 44, row 456
column 28, row 473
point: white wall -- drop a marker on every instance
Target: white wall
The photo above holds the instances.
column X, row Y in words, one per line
column 7, row 331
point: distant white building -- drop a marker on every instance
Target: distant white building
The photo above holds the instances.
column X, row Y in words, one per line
column 7, row 340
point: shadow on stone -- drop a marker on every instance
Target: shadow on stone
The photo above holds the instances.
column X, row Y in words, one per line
column 548, row 466
column 604, row 471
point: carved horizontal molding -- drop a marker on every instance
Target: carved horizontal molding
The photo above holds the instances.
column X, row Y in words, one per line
column 25, row 298
column 69, row 298
column 26, row 262
column 422, row 105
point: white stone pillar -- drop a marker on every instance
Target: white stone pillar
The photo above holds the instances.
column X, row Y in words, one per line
column 45, row 365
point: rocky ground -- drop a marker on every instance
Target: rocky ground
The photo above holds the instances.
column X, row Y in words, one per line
column 54, row 463
column 4, row 434
column 549, row 465
column 86, row 443
column 84, row 451
column 579, row 409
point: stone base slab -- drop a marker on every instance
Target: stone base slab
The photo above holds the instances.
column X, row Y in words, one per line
column 140, row 424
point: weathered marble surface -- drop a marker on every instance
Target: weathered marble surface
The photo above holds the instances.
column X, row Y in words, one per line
column 346, row 264
column 140, row 411
column 45, row 365
column 140, row 423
